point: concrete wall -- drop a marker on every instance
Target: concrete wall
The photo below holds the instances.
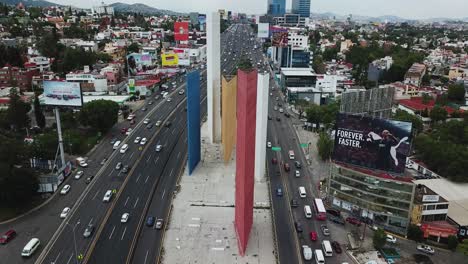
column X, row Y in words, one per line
column 193, row 120
column 229, row 101
column 263, row 83
column 245, row 153
column 213, row 76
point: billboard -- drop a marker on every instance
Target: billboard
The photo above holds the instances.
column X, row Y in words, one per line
column 280, row 39
column 169, row 59
column 131, row 86
column 138, row 62
column 374, row 143
column 181, row 32
column 62, row 93
column 202, row 22
column 263, row 31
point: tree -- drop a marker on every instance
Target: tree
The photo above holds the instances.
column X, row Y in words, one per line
column 417, row 123
column 17, row 113
column 101, row 115
column 452, row 242
column 324, row 146
column 40, row 119
column 379, row 239
column 426, row 98
column 314, row 114
column 438, row 114
column 301, row 106
column 415, row 233
column 456, row 92
column 244, row 64
column 19, row 185
column 133, row 48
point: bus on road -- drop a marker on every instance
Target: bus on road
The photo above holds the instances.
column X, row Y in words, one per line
column 320, row 212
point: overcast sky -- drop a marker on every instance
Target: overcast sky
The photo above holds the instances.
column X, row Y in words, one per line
column 413, row 9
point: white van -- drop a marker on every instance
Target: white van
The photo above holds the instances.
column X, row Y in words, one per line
column 302, row 192
column 307, row 251
column 30, row 247
column 107, row 196
column 307, row 211
column 319, row 259
column 327, row 249
column 116, row 144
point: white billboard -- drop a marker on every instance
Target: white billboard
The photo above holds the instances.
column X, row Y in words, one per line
column 430, row 198
column 62, row 94
column 263, row 30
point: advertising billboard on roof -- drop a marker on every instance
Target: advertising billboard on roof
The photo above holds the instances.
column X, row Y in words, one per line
column 263, row 31
column 202, row 22
column 138, row 62
column 62, row 94
column 169, row 59
column 279, row 39
column 181, row 32
column 374, row 143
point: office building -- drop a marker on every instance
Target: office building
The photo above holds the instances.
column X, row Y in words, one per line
column 276, row 7
column 301, row 7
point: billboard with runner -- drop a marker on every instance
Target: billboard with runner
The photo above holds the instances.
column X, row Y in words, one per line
column 375, row 143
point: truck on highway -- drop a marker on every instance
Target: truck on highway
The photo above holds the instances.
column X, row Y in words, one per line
column 81, row 162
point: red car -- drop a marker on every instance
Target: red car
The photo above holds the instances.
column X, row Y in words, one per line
column 286, row 166
column 123, row 130
column 313, row 236
column 353, row 221
column 274, row 161
column 8, row 236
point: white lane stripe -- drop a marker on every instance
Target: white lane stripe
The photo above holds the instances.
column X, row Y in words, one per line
column 147, row 179
column 136, row 202
column 156, row 160
column 55, row 260
column 178, row 155
column 90, row 221
column 131, row 155
column 69, row 259
column 126, row 201
column 112, row 232
column 172, row 170
column 146, row 257
column 123, row 234
column 94, row 197
column 110, row 173
column 164, row 192
column 138, row 177
column 149, row 157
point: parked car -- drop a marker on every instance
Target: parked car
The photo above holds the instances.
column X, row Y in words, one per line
column 150, row 221
column 425, row 248
column 278, row 118
column 353, row 221
column 298, row 227
column 325, row 230
column 313, row 236
column 129, row 130
column 159, row 148
column 159, row 223
column 333, row 212
column 336, row 219
column 336, row 246
column 65, row 189
column 149, row 126
column 113, row 140
column 7, row 237
column 391, row 239
column 158, row 123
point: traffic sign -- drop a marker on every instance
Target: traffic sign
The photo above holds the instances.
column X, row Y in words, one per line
column 304, row 145
column 276, row 148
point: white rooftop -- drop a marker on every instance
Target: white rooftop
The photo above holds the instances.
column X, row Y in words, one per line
column 298, row 72
column 120, row 99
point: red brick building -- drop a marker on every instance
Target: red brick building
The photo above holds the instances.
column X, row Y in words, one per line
column 14, row 76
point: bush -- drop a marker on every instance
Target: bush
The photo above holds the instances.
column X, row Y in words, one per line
column 415, row 233
column 379, row 239
column 452, row 242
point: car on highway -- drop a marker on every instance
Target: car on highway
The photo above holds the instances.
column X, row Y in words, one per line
column 146, row 121
column 159, row 148
column 353, row 221
column 129, row 130
column 274, row 161
column 125, row 218
column 281, row 110
column 297, row 174
column 159, row 223
column 158, row 123
column 65, row 189
column 286, row 114
column 391, row 239
column 125, row 169
column 143, row 109
column 78, row 175
column 107, row 196
column 82, row 162
column 169, row 99
column 181, row 92
column 130, row 117
column 275, row 108
column 150, row 221
column 7, row 237
column 297, row 164
column 286, row 166
column 88, row 231
column 124, row 148
column 278, row 119
column 123, row 130
column 268, row 144
column 425, row 248
column 307, row 252
column 313, row 236
column 89, row 179
column 279, row 191
column 168, row 124
column 143, row 141
column 325, row 230
column 294, row 203
column 103, row 161
column 150, row 102
column 137, row 140
column 336, row 246
column 113, row 140
column 149, row 126
column 298, row 227
column 336, row 219
column 269, row 117
column 65, row 212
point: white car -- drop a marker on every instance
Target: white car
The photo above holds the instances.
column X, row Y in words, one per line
column 146, row 121
column 124, row 148
column 65, row 189
column 298, row 173
column 169, row 99
column 65, row 212
column 143, row 141
column 269, row 144
column 391, row 239
column 181, row 92
column 124, row 218
column 129, row 130
column 130, row 117
column 281, row 110
column 158, row 148
column 107, row 196
column 137, row 140
column 426, row 249
column 78, row 175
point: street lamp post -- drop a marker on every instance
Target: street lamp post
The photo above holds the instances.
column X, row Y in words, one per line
column 74, row 238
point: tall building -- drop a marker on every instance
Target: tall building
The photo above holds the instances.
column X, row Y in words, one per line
column 301, row 7
column 276, row 7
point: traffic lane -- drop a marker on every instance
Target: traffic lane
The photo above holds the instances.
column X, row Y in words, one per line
column 99, row 253
column 150, row 239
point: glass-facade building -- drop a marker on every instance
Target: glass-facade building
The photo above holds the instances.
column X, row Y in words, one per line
column 300, row 58
column 276, row 7
column 301, row 7
column 383, row 201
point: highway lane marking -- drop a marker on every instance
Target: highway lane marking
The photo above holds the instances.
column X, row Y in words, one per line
column 136, row 202
column 164, row 192
column 149, row 157
column 126, row 201
column 178, row 155
column 146, row 256
column 94, row 197
column 69, row 259
column 112, row 232
column 110, row 173
column 131, row 155
column 90, row 221
column 55, row 260
column 147, row 179
column 173, row 130
column 185, row 140
column 172, row 170
column 138, row 177
column 156, row 160
column 123, row 234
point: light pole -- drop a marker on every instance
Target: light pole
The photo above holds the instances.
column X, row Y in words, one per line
column 74, row 238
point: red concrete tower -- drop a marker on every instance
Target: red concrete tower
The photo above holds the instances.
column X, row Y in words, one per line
column 245, row 155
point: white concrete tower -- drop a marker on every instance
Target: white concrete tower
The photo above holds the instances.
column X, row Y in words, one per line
column 213, row 62
column 263, row 83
